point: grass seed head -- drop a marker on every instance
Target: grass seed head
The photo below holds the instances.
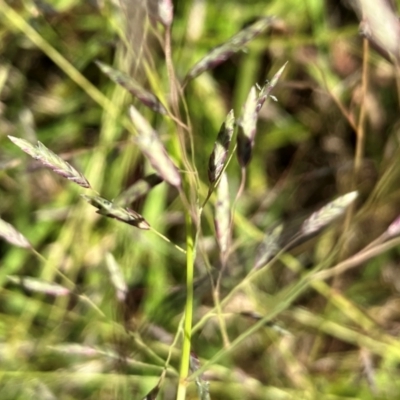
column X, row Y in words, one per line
column 327, row 214
column 152, row 147
column 222, row 52
column 247, row 128
column 12, row 236
column 221, row 148
column 133, row 87
column 52, row 161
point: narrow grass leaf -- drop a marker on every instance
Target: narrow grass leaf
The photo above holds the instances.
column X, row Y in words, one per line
column 222, row 52
column 108, row 209
column 39, row 285
column 153, row 149
column 327, row 214
column 221, row 148
column 222, row 216
column 269, row 247
column 133, row 87
column 203, row 386
column 137, row 190
column 117, row 278
column 247, row 128
column 266, row 90
column 51, row 160
column 11, row 235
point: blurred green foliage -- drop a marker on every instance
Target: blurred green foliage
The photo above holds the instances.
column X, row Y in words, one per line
column 333, row 129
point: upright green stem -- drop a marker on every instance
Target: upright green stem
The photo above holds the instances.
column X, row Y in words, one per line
column 187, row 329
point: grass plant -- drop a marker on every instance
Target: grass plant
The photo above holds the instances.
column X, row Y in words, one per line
column 234, row 228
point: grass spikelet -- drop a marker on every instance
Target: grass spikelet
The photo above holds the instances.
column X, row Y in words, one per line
column 108, row 209
column 39, row 286
column 222, row 52
column 153, row 149
column 117, row 279
column 11, row 235
column 133, row 87
column 222, row 216
column 165, row 12
column 221, row 148
column 247, row 128
column 266, row 90
column 51, row 160
column 137, row 190
column 327, row 214
column 268, row 248
column 394, row 228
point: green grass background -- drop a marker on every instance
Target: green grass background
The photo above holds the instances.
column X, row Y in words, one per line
column 338, row 339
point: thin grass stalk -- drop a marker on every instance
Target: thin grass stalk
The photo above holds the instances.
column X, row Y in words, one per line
column 324, row 216
column 345, row 306
column 285, row 302
column 338, row 102
column 360, row 143
column 187, row 329
column 359, row 258
column 361, row 121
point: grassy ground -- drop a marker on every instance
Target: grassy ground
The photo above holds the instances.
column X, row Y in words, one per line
column 277, row 280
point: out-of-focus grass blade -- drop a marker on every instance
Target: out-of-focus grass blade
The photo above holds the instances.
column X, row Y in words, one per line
column 203, row 386
column 51, row 160
column 221, row 148
column 117, row 278
column 107, row 208
column 222, row 216
column 133, row 87
column 153, row 149
column 267, row 88
column 11, row 235
column 269, row 247
column 137, row 190
column 247, row 128
column 39, row 286
column 222, row 52
column 327, row 214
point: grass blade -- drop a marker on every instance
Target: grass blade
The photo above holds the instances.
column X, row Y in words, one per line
column 108, row 209
column 153, row 149
column 133, row 87
column 11, row 235
column 51, row 160
column 221, row 147
column 222, row 52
